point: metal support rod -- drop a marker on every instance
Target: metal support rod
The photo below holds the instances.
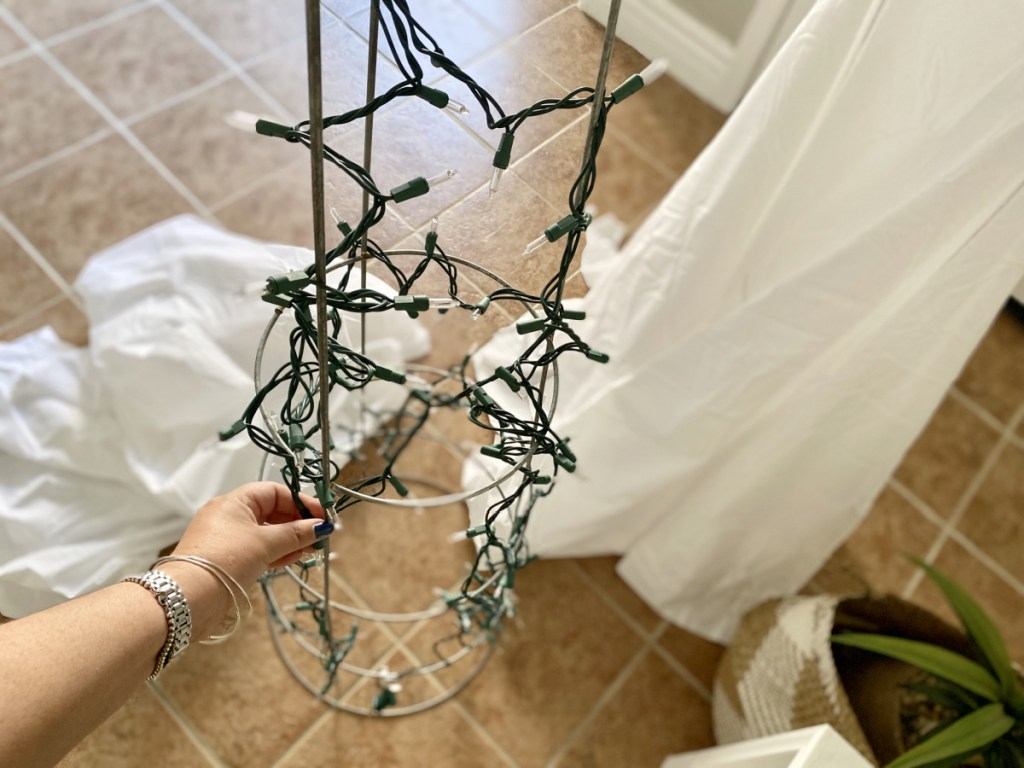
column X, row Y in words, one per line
column 371, row 89
column 316, row 159
column 602, row 75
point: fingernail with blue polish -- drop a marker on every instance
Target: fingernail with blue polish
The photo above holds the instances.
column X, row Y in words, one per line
column 323, row 529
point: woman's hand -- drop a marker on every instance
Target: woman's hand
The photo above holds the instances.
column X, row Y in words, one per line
column 247, row 531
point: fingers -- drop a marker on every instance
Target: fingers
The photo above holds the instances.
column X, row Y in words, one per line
column 272, row 502
column 286, row 541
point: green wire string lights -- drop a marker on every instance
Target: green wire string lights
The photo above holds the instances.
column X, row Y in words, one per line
column 371, row 464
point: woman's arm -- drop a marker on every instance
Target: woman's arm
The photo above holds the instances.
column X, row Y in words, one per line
column 65, row 670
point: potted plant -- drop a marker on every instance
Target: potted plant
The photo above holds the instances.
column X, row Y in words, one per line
column 974, row 704
column 899, row 684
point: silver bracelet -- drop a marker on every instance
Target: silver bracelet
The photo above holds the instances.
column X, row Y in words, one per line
column 179, row 617
column 224, row 578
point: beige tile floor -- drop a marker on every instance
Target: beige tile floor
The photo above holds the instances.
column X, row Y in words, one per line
column 114, row 121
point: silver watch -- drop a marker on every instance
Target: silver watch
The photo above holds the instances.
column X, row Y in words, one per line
column 179, row 617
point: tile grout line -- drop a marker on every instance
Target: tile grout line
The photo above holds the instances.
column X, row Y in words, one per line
column 190, row 733
column 613, row 603
column 40, row 261
column 653, row 636
column 97, row 23
column 180, row 98
column 13, row 58
column 80, row 88
column 602, row 701
column 64, row 152
column 481, row 730
column 917, row 503
column 254, row 186
column 682, row 670
column 987, row 560
column 653, row 160
column 218, row 53
column 965, row 500
column 977, row 409
column 81, row 29
column 37, row 311
column 303, row 737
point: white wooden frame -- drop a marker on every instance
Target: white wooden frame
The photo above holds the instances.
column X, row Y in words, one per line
column 815, row 747
column 714, row 68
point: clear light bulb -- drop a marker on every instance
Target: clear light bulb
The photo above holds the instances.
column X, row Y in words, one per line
column 457, row 536
column 243, row 121
column 441, row 178
column 433, row 223
column 456, row 107
column 654, row 70
column 335, row 215
column 445, row 303
column 492, row 188
column 533, row 246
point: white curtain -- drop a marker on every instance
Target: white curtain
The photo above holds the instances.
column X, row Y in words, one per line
column 107, row 451
column 786, row 322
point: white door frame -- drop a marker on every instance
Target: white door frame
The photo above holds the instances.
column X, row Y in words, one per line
column 713, row 67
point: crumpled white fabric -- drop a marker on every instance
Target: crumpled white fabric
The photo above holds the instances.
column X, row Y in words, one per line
column 107, row 451
column 782, row 327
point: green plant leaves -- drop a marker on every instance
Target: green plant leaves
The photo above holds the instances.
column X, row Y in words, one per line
column 964, row 737
column 948, row 665
column 983, row 632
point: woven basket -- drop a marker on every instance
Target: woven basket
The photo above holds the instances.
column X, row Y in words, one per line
column 780, row 673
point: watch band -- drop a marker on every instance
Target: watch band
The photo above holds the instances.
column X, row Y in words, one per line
column 179, row 617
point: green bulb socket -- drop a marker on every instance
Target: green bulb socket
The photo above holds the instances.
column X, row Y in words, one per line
column 485, row 302
column 529, row 326
column 399, row 486
column 324, row 494
column 344, row 228
column 296, row 440
column 384, row 699
column 289, row 281
column 320, row 544
column 565, row 450
column 632, row 84
column 430, row 244
column 482, row 397
column 432, row 96
column 574, row 314
column 504, row 154
column 494, row 451
column 278, row 300
column 509, row 579
column 409, row 190
column 476, row 530
column 561, row 228
column 565, row 463
column 597, row 357
column 268, row 128
column 388, row 375
column 234, row 429
column 542, row 479
column 505, row 375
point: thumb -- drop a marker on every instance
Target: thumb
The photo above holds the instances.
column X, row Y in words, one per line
column 286, row 541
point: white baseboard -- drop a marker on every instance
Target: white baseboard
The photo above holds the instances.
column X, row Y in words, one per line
column 698, row 57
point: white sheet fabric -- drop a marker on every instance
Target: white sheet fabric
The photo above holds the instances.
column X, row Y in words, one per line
column 107, row 451
column 785, row 323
